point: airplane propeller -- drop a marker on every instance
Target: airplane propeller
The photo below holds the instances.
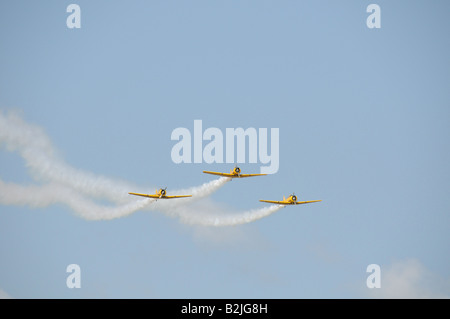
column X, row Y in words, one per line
column 294, row 197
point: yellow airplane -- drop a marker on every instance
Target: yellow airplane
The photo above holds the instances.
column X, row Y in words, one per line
column 291, row 200
column 161, row 193
column 236, row 172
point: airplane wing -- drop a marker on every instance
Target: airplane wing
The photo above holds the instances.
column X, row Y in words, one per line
column 250, row 175
column 177, row 196
column 273, row 202
column 158, row 197
column 145, row 195
column 220, row 174
column 307, row 202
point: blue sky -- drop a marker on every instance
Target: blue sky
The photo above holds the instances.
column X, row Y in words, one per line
column 363, row 118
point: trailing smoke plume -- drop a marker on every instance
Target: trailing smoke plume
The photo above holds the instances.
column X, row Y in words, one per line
column 57, row 182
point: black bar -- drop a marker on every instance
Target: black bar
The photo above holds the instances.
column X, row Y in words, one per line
column 218, row 308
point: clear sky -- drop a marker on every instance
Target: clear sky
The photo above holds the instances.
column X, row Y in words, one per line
column 363, row 116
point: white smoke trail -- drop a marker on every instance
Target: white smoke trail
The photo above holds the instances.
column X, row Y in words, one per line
column 211, row 217
column 45, row 165
column 77, row 189
column 45, row 195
